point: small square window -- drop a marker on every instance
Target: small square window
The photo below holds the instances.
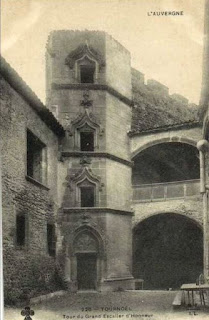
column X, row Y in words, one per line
column 87, row 141
column 87, row 196
column 51, row 240
column 20, row 230
column 34, row 157
column 87, row 73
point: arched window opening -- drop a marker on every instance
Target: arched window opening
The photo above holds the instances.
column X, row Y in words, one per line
column 87, row 74
column 166, row 162
column 85, row 63
column 87, row 192
column 86, row 131
column 87, row 140
column 86, row 70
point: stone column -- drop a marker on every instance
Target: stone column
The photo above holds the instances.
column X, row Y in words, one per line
column 203, row 147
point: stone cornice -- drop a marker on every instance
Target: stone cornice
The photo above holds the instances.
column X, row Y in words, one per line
column 97, row 210
column 17, row 83
column 173, row 127
column 96, row 155
column 92, row 86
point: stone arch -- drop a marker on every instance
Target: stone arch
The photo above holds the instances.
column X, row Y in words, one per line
column 85, row 261
column 85, row 121
column 92, row 232
column 165, row 160
column 88, row 55
column 166, row 242
column 191, row 217
column 168, row 139
column 82, row 51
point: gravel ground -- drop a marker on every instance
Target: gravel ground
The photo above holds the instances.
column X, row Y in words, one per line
column 141, row 305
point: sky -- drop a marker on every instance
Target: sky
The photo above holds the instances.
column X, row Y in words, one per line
column 165, row 48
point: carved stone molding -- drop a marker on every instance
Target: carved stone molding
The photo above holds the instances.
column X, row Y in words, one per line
column 93, row 86
column 85, row 121
column 93, row 229
column 86, row 103
column 85, row 161
column 85, row 173
column 97, row 155
column 69, row 211
column 82, row 51
column 87, row 118
column 85, row 243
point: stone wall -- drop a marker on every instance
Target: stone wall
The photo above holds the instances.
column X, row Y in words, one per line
column 155, row 108
column 119, row 191
column 118, row 67
column 118, row 119
column 20, row 195
column 191, row 208
column 204, row 99
column 23, row 195
column 119, row 249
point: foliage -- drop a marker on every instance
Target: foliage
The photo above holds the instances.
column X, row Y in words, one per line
column 27, row 276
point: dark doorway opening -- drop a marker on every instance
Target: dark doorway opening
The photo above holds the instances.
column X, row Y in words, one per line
column 168, row 251
column 87, row 271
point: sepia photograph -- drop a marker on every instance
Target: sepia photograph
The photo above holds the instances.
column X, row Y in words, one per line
column 104, row 159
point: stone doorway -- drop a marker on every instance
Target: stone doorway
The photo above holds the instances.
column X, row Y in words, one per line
column 87, row 271
column 84, row 266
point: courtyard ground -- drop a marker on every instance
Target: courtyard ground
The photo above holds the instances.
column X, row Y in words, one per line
column 140, row 305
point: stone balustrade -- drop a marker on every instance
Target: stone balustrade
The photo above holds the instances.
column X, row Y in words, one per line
column 166, row 191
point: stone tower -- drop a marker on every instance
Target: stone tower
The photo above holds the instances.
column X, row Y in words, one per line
column 89, row 91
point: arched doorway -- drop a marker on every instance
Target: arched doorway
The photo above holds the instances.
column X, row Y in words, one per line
column 87, row 250
column 167, row 251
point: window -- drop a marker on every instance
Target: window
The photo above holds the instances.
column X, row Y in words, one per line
column 35, row 157
column 87, row 73
column 87, row 196
column 51, row 239
column 86, row 68
column 20, row 230
column 87, row 141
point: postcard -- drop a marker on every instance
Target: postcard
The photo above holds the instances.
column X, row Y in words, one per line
column 104, row 159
